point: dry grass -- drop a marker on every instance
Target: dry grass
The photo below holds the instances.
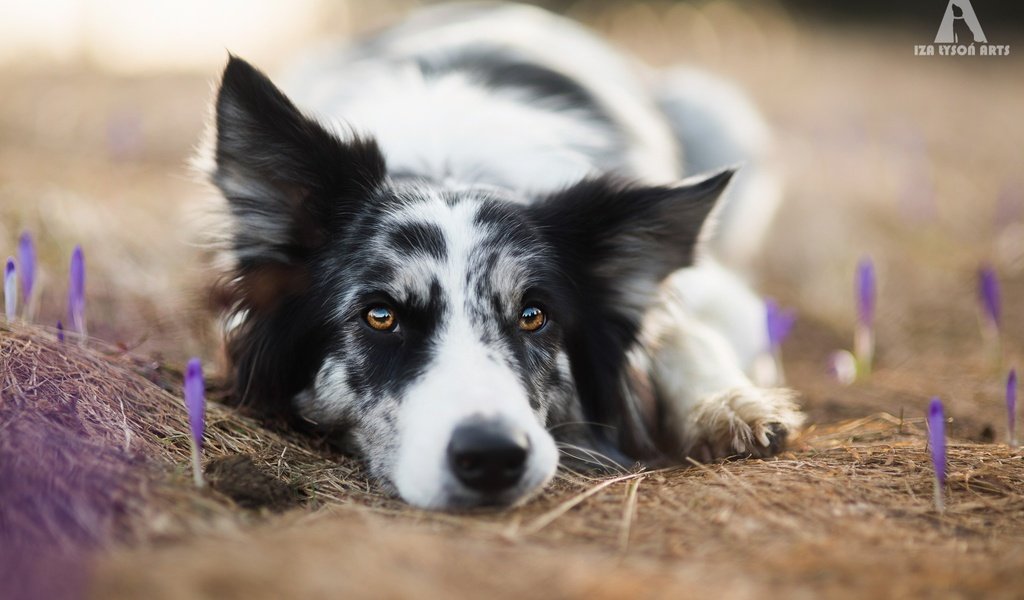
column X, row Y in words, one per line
column 101, row 445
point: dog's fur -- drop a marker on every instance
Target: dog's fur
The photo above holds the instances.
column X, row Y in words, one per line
column 468, row 164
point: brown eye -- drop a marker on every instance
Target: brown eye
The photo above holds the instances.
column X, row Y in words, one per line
column 380, row 318
column 531, row 319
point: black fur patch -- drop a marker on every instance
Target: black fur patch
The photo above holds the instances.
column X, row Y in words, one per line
column 391, row 361
column 277, row 166
column 289, row 184
column 498, row 67
column 419, row 238
column 608, row 235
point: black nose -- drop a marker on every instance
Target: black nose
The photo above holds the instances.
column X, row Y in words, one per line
column 488, row 456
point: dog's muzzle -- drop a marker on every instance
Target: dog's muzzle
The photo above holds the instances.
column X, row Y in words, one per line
column 488, row 456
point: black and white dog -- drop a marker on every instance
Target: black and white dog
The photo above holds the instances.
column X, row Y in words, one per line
column 469, row 250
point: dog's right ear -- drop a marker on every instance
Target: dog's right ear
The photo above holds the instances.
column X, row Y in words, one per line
column 285, row 177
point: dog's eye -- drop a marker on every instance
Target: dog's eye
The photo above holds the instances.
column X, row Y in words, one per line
column 532, row 319
column 380, row 318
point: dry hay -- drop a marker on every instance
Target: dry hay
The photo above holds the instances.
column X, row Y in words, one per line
column 94, row 455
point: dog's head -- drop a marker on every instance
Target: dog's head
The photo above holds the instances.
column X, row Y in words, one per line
column 445, row 328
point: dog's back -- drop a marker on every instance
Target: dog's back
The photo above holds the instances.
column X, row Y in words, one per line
column 508, row 95
column 518, row 97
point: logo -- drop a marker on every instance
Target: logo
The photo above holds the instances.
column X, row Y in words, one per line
column 960, row 34
column 959, row 21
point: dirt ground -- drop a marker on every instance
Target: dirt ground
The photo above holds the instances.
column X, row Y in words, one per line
column 913, row 161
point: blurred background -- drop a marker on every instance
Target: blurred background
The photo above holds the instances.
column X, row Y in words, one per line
column 915, row 161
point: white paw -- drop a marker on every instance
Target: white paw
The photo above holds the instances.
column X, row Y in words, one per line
column 747, row 421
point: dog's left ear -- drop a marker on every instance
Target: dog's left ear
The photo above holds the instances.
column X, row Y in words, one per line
column 617, row 243
column 620, row 241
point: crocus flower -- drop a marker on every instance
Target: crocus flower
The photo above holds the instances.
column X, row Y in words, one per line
column 10, row 290
column 991, row 309
column 27, row 260
column 76, row 292
column 866, row 292
column 988, row 293
column 60, row 331
column 937, row 442
column 195, row 402
column 1011, row 407
column 864, row 337
column 779, row 324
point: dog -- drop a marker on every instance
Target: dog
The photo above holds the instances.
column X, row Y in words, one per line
column 486, row 241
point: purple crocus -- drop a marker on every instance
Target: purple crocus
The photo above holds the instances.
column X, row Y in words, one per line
column 1011, row 407
column 10, row 290
column 780, row 323
column 988, row 294
column 76, row 292
column 195, row 402
column 27, row 260
column 60, row 331
column 937, row 442
column 866, row 292
column 864, row 337
column 990, row 311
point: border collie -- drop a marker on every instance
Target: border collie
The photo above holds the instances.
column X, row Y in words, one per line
column 465, row 245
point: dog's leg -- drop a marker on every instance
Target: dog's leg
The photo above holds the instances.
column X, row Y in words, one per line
column 711, row 407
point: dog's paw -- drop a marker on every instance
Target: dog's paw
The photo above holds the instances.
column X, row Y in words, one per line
column 741, row 422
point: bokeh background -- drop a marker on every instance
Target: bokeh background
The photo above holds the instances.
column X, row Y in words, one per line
column 916, row 162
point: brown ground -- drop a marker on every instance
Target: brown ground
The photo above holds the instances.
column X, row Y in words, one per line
column 899, row 157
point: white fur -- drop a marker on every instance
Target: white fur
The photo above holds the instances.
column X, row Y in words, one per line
column 710, row 401
column 722, row 300
column 433, row 128
column 463, row 383
column 464, row 380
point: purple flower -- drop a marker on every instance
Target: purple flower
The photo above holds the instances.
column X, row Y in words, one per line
column 937, row 441
column 780, row 323
column 988, row 294
column 76, row 291
column 1011, row 407
column 195, row 400
column 866, row 292
column 864, row 334
column 10, row 290
column 27, row 259
column 937, row 438
column 60, row 331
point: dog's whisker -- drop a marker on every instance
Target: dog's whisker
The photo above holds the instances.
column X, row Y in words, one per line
column 589, row 456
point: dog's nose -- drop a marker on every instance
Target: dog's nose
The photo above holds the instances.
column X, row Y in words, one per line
column 488, row 456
